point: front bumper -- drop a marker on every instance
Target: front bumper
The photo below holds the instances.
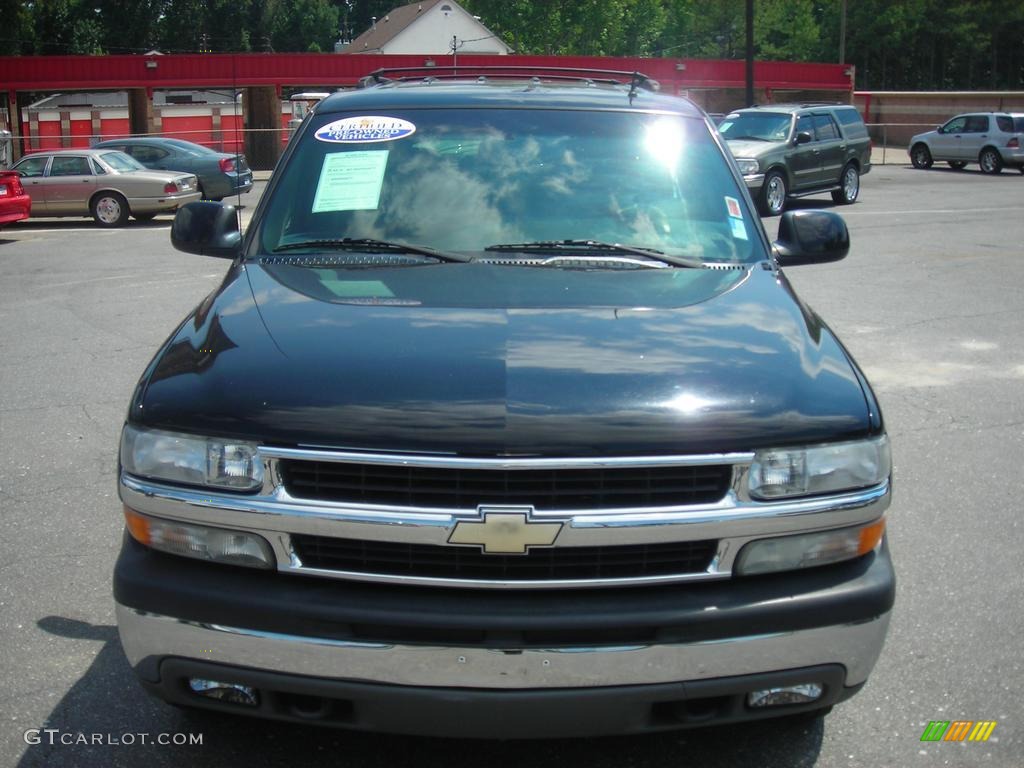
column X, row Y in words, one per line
column 430, row 656
column 754, row 181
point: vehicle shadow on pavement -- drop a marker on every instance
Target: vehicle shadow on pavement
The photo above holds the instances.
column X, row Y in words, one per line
column 106, row 708
column 74, row 224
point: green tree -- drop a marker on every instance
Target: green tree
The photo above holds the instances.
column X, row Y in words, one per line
column 65, row 27
column 307, row 23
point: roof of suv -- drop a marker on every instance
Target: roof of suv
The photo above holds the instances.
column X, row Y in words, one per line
column 795, row 107
column 506, row 93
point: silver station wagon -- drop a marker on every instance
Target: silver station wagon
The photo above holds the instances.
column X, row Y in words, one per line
column 107, row 185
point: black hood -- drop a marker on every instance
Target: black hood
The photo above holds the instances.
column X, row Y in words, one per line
column 740, row 367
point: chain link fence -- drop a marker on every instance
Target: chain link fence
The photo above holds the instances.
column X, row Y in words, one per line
column 891, row 140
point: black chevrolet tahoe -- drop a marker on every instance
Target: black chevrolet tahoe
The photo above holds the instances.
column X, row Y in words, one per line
column 505, row 422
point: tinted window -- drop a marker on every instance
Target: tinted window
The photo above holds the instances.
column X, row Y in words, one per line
column 467, row 179
column 825, row 128
column 805, row 125
column 976, row 124
column 146, row 154
column 33, row 166
column 851, row 123
column 848, row 116
column 97, row 167
column 1005, row 123
column 956, row 125
column 767, row 126
column 1018, row 124
column 70, row 166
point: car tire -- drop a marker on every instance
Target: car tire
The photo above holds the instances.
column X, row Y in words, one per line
column 109, row 209
column 920, row 156
column 990, row 161
column 849, row 186
column 772, row 199
column 143, row 216
column 957, row 165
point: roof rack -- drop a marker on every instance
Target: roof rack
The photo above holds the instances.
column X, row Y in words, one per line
column 635, row 80
column 803, row 104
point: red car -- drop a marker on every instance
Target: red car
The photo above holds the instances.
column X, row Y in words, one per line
column 15, row 204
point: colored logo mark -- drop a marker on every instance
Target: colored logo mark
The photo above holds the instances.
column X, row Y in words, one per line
column 958, row 730
column 364, row 130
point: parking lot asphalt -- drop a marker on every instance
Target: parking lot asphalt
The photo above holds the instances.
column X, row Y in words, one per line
column 931, row 303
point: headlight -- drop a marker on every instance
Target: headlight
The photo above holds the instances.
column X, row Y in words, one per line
column 191, row 459
column 806, row 550
column 216, row 545
column 747, row 167
column 786, row 472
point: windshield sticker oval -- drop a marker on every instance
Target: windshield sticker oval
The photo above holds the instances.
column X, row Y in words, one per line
column 365, row 130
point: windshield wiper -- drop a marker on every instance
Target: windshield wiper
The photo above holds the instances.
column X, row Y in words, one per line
column 597, row 245
column 738, row 138
column 376, row 246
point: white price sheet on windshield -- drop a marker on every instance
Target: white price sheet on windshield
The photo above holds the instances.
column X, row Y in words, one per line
column 350, row 181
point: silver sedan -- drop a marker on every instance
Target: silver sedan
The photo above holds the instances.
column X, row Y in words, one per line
column 107, row 185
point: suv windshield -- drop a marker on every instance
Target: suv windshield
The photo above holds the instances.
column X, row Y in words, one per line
column 465, row 180
column 766, row 126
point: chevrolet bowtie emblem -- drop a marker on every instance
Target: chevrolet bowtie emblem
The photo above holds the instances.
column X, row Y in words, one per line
column 505, row 532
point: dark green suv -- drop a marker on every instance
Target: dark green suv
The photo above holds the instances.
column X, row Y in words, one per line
column 792, row 150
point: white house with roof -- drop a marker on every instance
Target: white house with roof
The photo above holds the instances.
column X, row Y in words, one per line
column 428, row 27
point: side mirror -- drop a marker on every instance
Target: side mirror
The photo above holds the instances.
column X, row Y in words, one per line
column 208, row 229
column 804, row 137
column 811, row 237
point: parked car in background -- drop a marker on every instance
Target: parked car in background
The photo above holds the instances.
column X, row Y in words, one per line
column 15, row 202
column 990, row 139
column 107, row 185
column 220, row 174
column 792, row 150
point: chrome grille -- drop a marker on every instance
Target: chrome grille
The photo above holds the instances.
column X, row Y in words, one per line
column 543, row 489
column 539, row 564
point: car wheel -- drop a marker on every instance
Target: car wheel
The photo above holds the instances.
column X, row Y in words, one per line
column 957, row 165
column 921, row 157
column 990, row 161
column 773, row 194
column 849, row 186
column 110, row 209
column 143, row 216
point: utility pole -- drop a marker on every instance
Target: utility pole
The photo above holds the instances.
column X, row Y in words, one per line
column 750, row 53
column 842, row 32
column 455, row 54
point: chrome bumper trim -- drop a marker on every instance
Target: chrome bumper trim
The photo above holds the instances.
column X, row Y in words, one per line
column 754, row 180
column 448, row 461
column 855, row 646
